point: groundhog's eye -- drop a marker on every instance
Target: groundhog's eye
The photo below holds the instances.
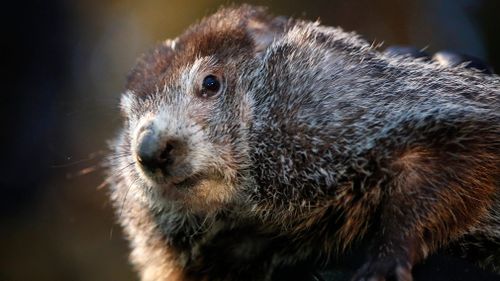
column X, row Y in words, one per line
column 210, row 86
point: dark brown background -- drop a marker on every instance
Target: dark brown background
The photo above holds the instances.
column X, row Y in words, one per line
column 64, row 67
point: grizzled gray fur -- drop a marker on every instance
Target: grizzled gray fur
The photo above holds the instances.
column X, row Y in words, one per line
column 254, row 143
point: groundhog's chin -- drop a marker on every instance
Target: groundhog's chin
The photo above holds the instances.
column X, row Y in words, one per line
column 199, row 194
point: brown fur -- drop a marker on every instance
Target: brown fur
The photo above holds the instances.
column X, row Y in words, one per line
column 315, row 144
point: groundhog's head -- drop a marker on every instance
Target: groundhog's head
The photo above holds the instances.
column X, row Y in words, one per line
column 187, row 110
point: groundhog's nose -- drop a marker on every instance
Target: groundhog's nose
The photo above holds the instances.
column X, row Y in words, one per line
column 154, row 153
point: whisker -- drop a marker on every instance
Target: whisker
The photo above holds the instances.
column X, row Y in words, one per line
column 104, row 183
column 90, row 157
column 117, row 156
column 122, row 169
column 123, row 201
column 82, row 172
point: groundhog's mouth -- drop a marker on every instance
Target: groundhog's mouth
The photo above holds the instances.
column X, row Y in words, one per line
column 187, row 182
column 178, row 189
column 194, row 179
column 200, row 192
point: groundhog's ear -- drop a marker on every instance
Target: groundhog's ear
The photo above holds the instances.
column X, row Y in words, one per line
column 150, row 67
column 264, row 30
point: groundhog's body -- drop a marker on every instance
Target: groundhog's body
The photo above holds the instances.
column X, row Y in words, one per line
column 313, row 142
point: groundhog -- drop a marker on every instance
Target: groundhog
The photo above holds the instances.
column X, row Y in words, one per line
column 253, row 142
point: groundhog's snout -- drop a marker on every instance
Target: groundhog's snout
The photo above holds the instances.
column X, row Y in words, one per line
column 156, row 152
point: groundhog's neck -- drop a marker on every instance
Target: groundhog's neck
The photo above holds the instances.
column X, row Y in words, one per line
column 303, row 141
column 292, row 157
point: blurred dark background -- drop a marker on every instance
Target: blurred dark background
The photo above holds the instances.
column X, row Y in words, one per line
column 64, row 67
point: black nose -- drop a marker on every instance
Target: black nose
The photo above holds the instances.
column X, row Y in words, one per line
column 154, row 153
